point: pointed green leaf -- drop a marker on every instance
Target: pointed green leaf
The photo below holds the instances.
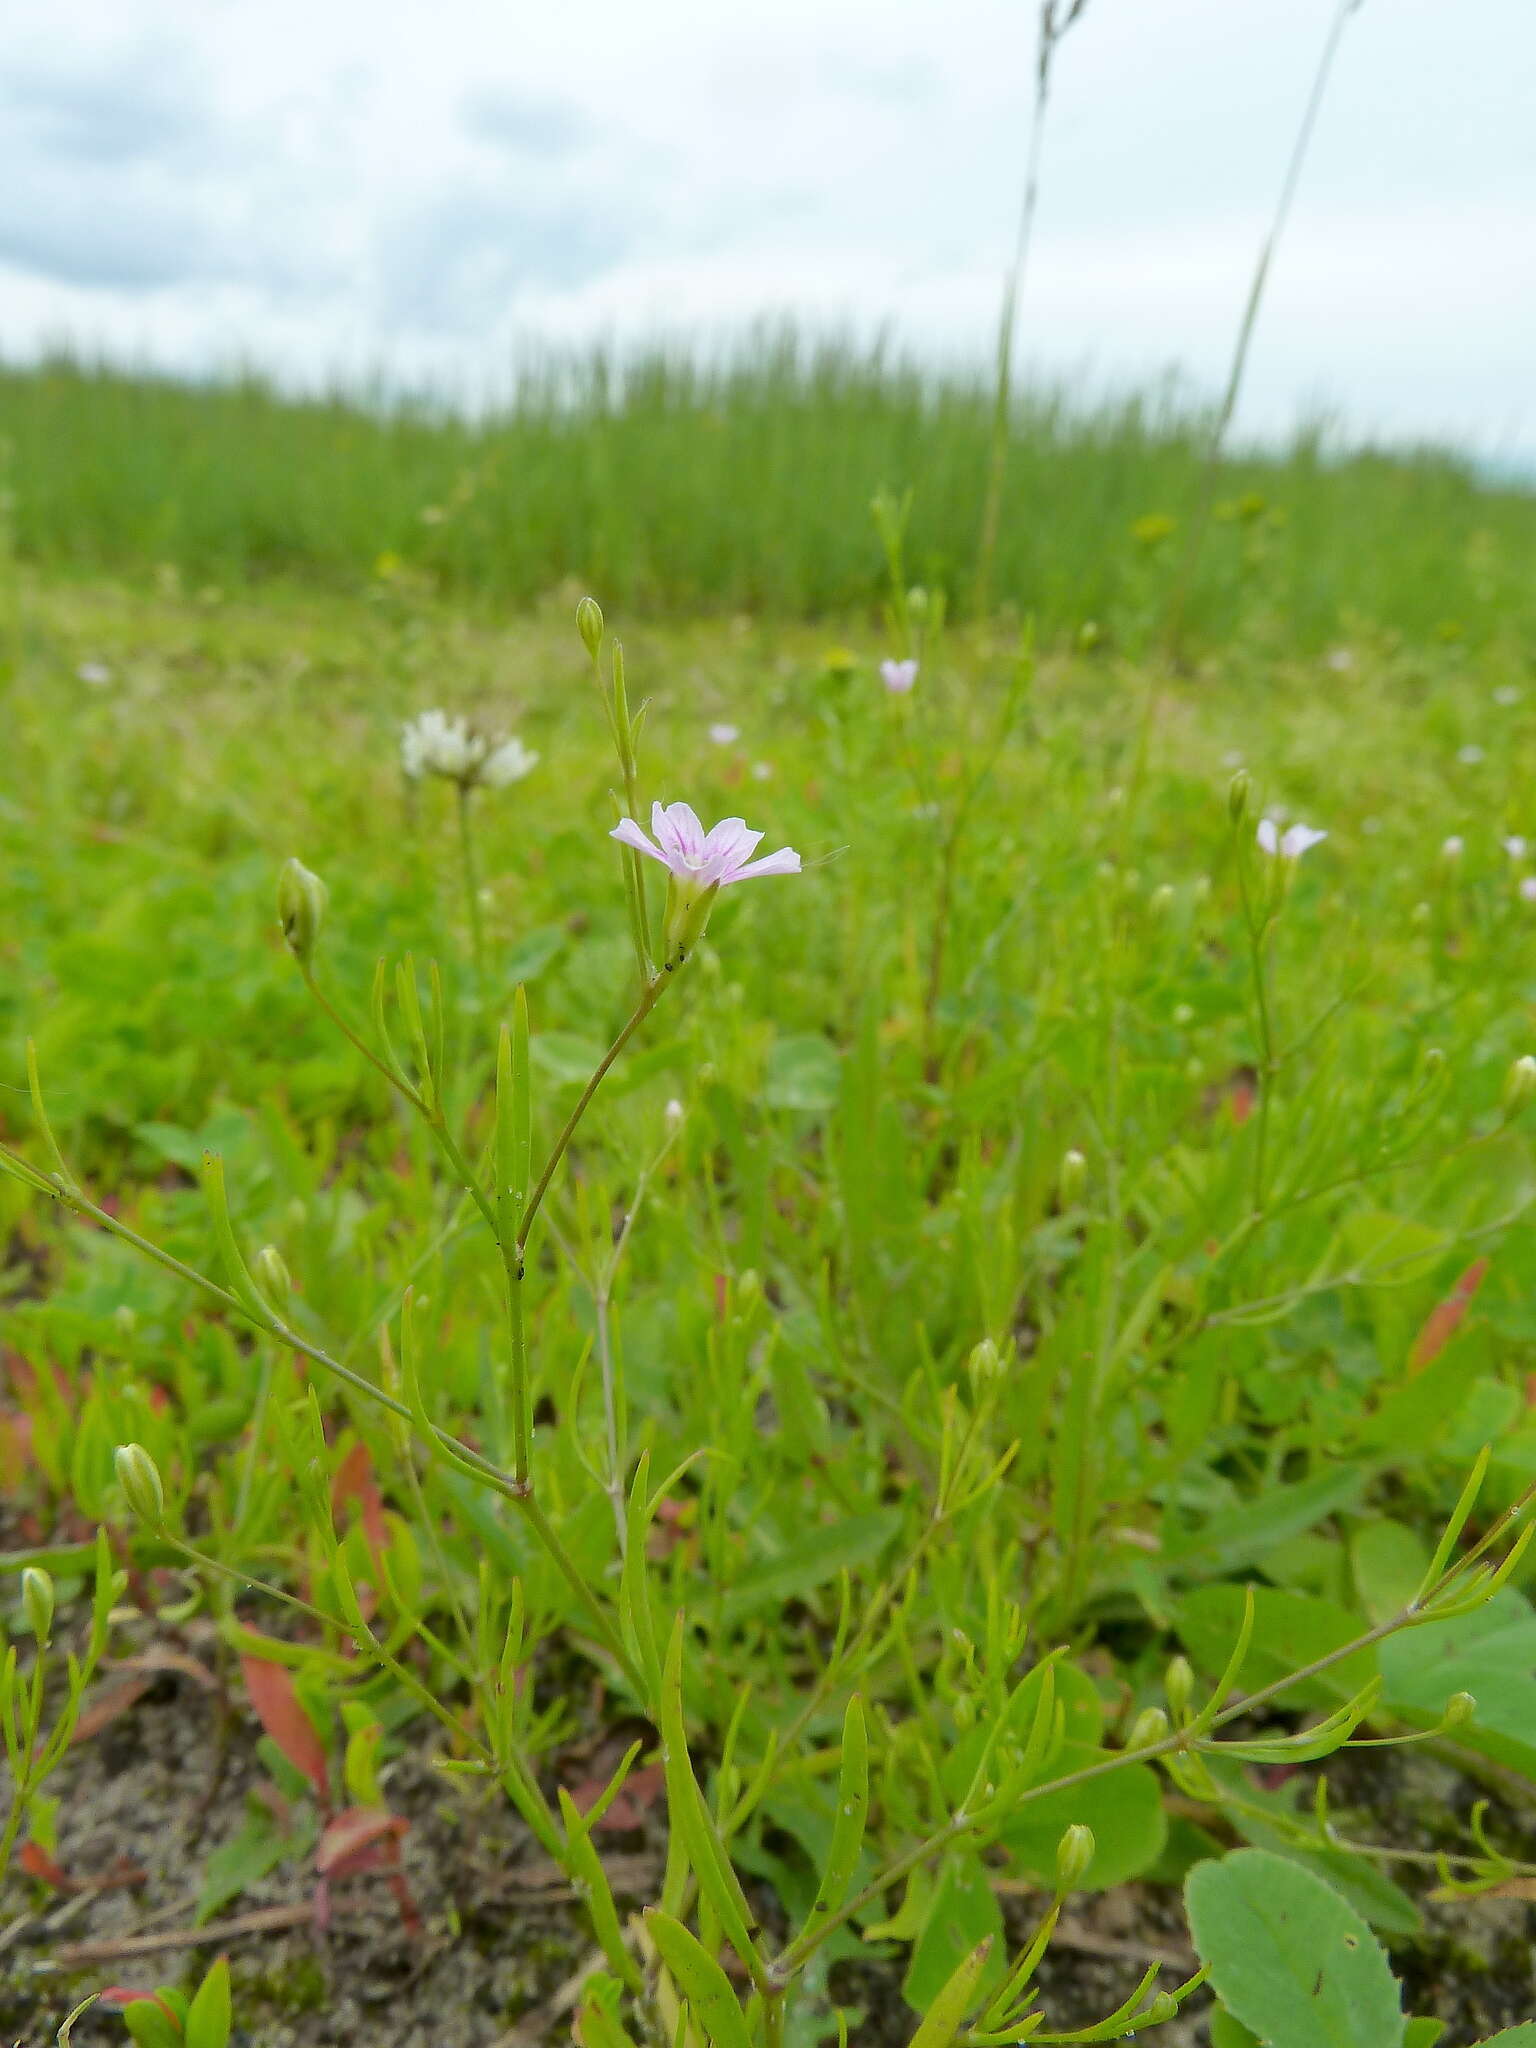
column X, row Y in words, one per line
column 701, row 1980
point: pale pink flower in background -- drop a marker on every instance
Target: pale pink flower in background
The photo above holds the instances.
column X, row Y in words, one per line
column 762, row 771
column 1528, row 888
column 1516, row 847
column 1290, row 844
column 704, row 860
column 898, row 676
column 723, row 735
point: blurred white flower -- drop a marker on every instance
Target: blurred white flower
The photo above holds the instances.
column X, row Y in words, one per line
column 96, row 673
column 1290, row 844
column 762, row 771
column 1453, row 848
column 1507, row 694
column 1515, row 846
column 435, row 744
column 724, row 735
column 1340, row 658
column 1470, row 755
column 1528, row 888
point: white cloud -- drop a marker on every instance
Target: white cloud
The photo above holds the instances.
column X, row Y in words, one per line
column 372, row 183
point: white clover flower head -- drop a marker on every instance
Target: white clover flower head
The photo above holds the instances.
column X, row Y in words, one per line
column 700, row 864
column 435, row 744
column 508, row 762
column 1290, row 844
column 898, row 676
column 723, row 735
column 1471, row 755
column 1516, row 847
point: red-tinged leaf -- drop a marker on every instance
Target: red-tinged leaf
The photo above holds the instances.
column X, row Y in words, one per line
column 36, row 1862
column 1445, row 1319
column 640, row 1790
column 277, row 1707
column 352, row 1834
column 108, row 1704
column 354, row 1480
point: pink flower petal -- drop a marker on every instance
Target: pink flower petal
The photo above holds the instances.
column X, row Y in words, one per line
column 785, row 862
column 628, row 833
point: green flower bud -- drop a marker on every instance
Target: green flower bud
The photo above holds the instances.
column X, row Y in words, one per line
column 139, row 1477
column 1074, row 1853
column 1459, row 1708
column 301, row 901
column 917, row 603
column 984, row 1365
column 589, row 624
column 37, row 1603
column 1179, row 1684
column 1072, row 1178
column 1519, row 1085
column 1160, row 902
column 1239, row 789
column 1159, row 2012
column 270, row 1272
column 1150, row 1726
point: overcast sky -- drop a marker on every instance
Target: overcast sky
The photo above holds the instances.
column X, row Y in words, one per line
column 329, row 186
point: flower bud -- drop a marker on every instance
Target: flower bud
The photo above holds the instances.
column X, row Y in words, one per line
column 1519, row 1085
column 139, row 1477
column 589, row 624
column 1072, row 1178
column 1150, row 1726
column 1074, row 1853
column 1159, row 2012
column 984, row 1365
column 274, row 1283
column 1459, row 1708
column 673, row 1115
column 37, row 1603
column 301, row 901
column 1238, row 791
column 1160, row 902
column 917, row 603
column 1179, row 1684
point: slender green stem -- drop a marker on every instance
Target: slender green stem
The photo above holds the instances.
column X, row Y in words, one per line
column 360, row 1044
column 1257, row 928
column 522, row 1406
column 649, row 997
column 471, row 876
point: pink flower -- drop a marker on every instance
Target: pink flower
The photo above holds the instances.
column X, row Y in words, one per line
column 1528, row 888
column 699, row 864
column 700, row 859
column 1290, row 844
column 898, row 676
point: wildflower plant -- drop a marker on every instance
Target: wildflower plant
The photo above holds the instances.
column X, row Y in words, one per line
column 933, row 1722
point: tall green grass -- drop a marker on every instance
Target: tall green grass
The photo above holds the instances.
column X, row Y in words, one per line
column 678, row 485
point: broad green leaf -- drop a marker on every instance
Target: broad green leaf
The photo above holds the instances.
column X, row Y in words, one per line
column 1288, row 1958
column 1490, row 1653
column 1424, row 2033
column 1290, row 1630
column 803, row 1073
column 1124, row 1808
column 1227, row 2032
column 1523, row 2036
column 1082, row 1720
column 209, row 2016
column 1242, row 1535
column 1389, row 1562
column 962, row 1913
column 811, row 1562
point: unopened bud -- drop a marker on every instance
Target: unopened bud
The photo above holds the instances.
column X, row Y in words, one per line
column 270, row 1272
column 1519, row 1085
column 1072, row 1178
column 1179, row 1684
column 1239, row 790
column 1433, row 1061
column 1160, row 902
column 984, row 1365
column 672, row 1115
column 1459, row 1708
column 301, row 901
column 139, row 1477
column 1159, row 2012
column 589, row 624
column 917, row 602
column 1150, row 1726
column 37, row 1603
column 1074, row 1853
column 748, row 1291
